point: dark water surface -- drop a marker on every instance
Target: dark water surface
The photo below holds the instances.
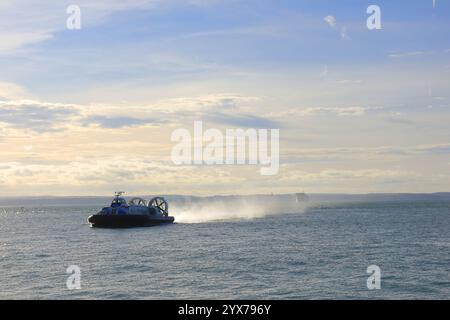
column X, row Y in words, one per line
column 321, row 253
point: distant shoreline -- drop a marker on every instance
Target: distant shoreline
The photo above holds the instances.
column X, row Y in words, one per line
column 314, row 197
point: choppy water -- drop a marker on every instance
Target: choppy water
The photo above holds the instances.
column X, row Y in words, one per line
column 321, row 253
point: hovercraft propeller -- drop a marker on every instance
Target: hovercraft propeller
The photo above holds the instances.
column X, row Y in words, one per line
column 161, row 204
column 137, row 202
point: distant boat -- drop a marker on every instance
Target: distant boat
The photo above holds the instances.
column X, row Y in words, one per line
column 301, row 197
column 135, row 213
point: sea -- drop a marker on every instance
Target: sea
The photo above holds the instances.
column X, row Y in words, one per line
column 325, row 248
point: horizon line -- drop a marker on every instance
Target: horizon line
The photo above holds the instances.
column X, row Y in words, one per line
column 231, row 195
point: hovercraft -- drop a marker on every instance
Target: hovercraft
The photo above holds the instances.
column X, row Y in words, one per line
column 136, row 213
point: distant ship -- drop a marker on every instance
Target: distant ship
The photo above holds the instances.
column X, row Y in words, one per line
column 301, row 197
column 135, row 213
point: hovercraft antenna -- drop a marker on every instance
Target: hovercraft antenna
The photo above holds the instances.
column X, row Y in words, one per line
column 119, row 193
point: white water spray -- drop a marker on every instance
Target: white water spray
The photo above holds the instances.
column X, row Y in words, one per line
column 201, row 210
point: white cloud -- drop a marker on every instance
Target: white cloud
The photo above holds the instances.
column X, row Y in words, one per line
column 366, row 153
column 29, row 22
column 44, row 117
column 36, row 116
column 9, row 90
column 322, row 111
column 331, row 20
column 221, row 102
column 330, row 175
column 344, row 111
column 406, row 54
column 10, row 40
column 135, row 174
column 344, row 34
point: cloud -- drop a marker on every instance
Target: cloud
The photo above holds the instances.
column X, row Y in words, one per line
column 219, row 102
column 323, row 111
column 366, row 153
column 43, row 117
column 34, row 116
column 331, row 20
column 117, row 122
column 242, row 120
column 406, row 54
column 354, row 178
column 263, row 31
column 344, row 34
column 23, row 22
column 433, row 149
column 13, row 40
column 204, row 3
column 9, row 90
column 132, row 173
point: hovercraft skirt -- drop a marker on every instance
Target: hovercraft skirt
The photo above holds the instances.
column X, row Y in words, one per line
column 127, row 221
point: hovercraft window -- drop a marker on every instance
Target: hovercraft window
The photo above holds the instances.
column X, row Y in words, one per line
column 118, row 202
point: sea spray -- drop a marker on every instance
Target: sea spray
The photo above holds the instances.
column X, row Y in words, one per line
column 198, row 210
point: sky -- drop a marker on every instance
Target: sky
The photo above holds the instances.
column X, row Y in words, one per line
column 91, row 111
